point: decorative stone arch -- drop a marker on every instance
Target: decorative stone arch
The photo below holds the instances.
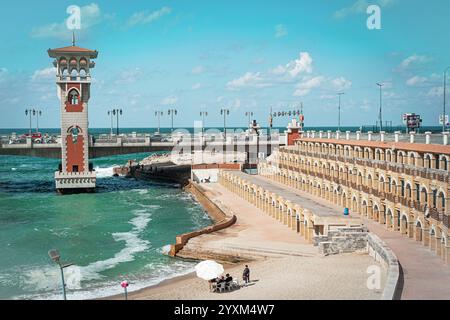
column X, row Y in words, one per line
column 401, row 155
column 378, row 153
column 444, row 162
column 419, row 226
column 408, row 190
column 423, row 198
column 413, row 158
column 365, row 207
column 428, row 159
column 376, row 211
column 404, row 223
column 368, row 153
column 355, row 203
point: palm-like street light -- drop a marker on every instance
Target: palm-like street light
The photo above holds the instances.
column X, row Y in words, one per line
column 225, row 112
column 110, row 113
column 172, row 113
column 30, row 112
column 445, row 97
column 55, row 256
column 381, row 105
column 116, row 113
column 339, row 110
column 38, row 114
column 158, row 114
column 249, row 114
column 203, row 114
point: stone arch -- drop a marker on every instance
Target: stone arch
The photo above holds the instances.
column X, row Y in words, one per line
column 418, row 230
column 404, row 221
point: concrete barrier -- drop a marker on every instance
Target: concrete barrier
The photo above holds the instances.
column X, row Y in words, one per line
column 379, row 250
column 222, row 221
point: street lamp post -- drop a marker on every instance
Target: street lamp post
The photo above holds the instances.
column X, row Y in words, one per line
column 225, row 112
column 117, row 112
column 110, row 113
column 172, row 112
column 158, row 114
column 30, row 112
column 339, row 110
column 203, row 114
column 55, row 256
column 249, row 114
column 381, row 105
column 445, row 97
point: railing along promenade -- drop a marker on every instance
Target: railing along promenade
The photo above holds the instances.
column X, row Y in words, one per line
column 102, row 147
column 432, row 174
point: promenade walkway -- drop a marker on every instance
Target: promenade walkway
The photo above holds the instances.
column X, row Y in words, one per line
column 425, row 275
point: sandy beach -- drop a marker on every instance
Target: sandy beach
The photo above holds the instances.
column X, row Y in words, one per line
column 283, row 266
column 287, row 278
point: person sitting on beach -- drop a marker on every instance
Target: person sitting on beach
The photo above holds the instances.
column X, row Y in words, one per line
column 228, row 278
column 220, row 280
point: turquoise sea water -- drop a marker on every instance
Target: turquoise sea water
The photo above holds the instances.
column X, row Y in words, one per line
column 119, row 233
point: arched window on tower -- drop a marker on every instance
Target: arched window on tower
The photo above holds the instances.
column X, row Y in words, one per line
column 73, row 97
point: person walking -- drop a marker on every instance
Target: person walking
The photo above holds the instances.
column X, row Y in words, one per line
column 246, row 274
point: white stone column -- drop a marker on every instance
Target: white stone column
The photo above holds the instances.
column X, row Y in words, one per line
column 308, row 134
column 320, row 134
column 329, row 134
column 358, row 135
column 427, row 137
column 411, row 136
column 347, row 135
column 382, row 136
column 369, row 135
column 313, row 134
column 397, row 136
column 338, row 135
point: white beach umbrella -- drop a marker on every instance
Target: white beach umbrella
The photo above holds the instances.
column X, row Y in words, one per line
column 208, row 270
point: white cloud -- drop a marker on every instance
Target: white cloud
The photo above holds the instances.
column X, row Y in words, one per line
column 196, row 86
column 250, row 80
column 415, row 81
column 303, row 88
column 359, row 7
column 436, row 92
column 341, row 84
column 294, row 68
column 44, row 74
column 144, row 17
column 129, row 76
column 90, row 16
column 198, row 70
column 280, row 31
column 169, row 101
column 414, row 60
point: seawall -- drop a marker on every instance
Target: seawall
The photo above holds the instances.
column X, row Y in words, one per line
column 220, row 218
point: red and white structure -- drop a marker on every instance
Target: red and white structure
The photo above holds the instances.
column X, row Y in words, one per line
column 73, row 79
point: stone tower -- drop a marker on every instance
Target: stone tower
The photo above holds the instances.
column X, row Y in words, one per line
column 73, row 79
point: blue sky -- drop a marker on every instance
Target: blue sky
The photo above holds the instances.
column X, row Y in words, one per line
column 242, row 55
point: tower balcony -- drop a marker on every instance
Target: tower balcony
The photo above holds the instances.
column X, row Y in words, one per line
column 68, row 79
